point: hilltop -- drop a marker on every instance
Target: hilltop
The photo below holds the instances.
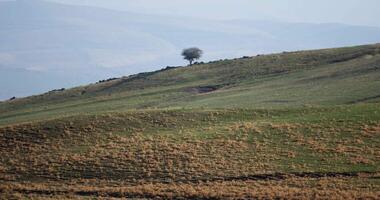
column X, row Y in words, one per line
column 49, row 45
column 326, row 77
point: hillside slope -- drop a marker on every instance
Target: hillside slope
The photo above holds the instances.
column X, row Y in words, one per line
column 306, row 153
column 291, row 79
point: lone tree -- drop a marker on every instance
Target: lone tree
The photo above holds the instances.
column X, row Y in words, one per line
column 192, row 54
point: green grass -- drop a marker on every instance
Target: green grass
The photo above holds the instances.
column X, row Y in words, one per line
column 308, row 78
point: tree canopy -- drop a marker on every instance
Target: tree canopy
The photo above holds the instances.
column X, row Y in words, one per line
column 192, row 54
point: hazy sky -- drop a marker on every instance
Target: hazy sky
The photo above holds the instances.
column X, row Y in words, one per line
column 358, row 12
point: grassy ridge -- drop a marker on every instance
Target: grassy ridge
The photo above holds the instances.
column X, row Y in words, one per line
column 316, row 78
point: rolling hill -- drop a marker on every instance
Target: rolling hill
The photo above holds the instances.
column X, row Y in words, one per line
column 294, row 125
column 292, row 79
column 55, row 45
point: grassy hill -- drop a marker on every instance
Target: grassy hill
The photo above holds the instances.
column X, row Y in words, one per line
column 292, row 125
column 297, row 79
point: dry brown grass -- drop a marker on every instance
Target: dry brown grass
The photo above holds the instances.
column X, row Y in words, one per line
column 291, row 188
column 73, row 160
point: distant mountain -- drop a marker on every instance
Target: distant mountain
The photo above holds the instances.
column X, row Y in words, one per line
column 48, row 45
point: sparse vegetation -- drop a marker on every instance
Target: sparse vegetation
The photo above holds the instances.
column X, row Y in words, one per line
column 107, row 80
column 248, row 128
